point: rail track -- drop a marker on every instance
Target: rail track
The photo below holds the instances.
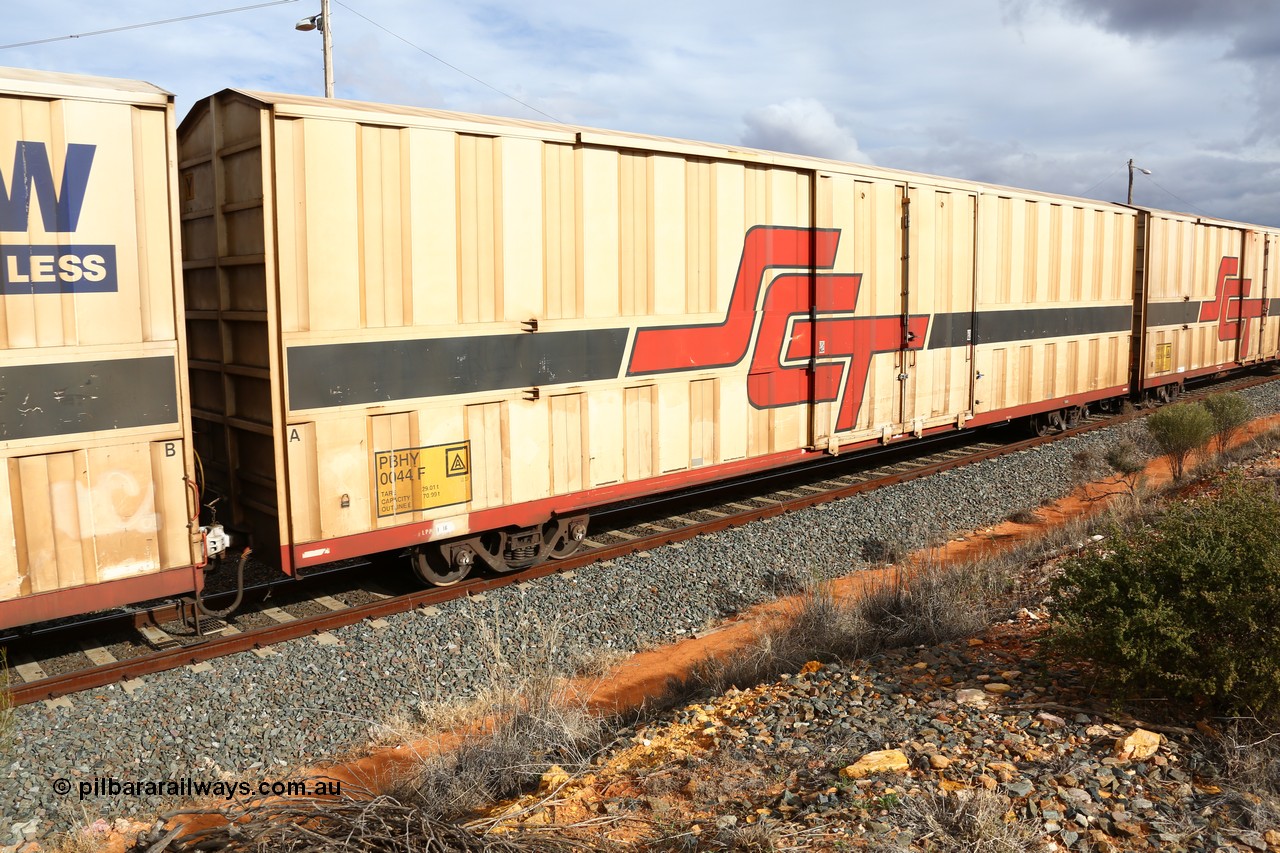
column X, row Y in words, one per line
column 121, row 647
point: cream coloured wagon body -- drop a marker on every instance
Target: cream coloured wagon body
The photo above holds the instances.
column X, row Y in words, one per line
column 409, row 325
column 93, row 426
column 1206, row 289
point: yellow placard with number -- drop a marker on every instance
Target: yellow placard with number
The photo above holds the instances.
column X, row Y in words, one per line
column 417, row 478
column 1164, row 358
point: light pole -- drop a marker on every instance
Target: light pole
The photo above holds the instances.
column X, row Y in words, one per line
column 321, row 22
column 1131, row 168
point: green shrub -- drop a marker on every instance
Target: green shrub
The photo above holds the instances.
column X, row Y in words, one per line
column 1179, row 430
column 1186, row 607
column 1229, row 412
column 1126, row 459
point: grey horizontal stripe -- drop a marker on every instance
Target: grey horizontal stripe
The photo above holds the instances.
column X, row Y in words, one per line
column 1172, row 313
column 951, row 330
column 61, row 398
column 330, row 375
column 1026, row 324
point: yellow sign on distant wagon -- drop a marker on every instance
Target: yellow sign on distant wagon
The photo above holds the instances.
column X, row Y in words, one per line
column 418, row 478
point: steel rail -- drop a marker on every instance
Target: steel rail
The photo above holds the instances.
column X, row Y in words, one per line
column 223, row 645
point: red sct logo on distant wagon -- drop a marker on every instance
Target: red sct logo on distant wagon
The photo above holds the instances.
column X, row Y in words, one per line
column 806, row 320
column 1230, row 307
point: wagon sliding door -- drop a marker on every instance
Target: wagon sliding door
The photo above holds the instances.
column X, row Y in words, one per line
column 1269, row 329
column 858, row 304
column 1247, row 312
column 937, row 319
column 894, row 309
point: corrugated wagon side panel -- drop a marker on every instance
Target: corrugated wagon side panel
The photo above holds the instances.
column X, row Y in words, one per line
column 433, row 225
column 332, row 226
column 480, row 229
column 523, row 237
column 562, row 242
column 568, row 444
column 343, row 462
column 599, row 185
column 1270, row 339
column 1054, row 276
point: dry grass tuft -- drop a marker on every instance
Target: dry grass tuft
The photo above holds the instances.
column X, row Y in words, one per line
column 966, row 822
column 876, row 550
column 1247, row 758
column 524, row 721
column 932, row 604
column 1024, row 516
column 532, row 729
column 928, row 604
column 384, row 824
column 8, row 722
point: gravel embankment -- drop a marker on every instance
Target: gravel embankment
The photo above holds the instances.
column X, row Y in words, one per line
column 253, row 718
column 1037, row 744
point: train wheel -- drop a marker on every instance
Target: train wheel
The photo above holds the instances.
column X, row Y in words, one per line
column 569, row 540
column 436, row 567
column 1042, row 424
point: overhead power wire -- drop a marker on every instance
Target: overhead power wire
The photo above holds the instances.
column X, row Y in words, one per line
column 1180, row 198
column 447, row 64
column 147, row 24
column 1085, row 193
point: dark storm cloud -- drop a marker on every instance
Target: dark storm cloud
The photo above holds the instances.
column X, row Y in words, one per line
column 1257, row 44
column 1250, row 28
column 1172, row 17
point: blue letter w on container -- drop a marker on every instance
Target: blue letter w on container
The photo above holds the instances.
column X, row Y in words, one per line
column 32, row 173
column 59, row 268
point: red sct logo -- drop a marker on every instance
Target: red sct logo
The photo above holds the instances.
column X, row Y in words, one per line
column 1230, row 308
column 804, row 340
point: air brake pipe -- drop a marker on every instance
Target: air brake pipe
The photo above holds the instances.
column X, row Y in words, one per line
column 198, row 605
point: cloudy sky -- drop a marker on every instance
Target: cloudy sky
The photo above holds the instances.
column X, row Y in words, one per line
column 1046, row 94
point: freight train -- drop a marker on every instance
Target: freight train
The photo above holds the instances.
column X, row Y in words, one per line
column 355, row 328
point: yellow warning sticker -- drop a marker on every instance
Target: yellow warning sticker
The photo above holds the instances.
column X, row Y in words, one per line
column 418, row 478
column 456, row 463
column 1164, row 358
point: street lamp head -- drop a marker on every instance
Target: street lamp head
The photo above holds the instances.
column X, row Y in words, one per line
column 1132, row 168
column 321, row 22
